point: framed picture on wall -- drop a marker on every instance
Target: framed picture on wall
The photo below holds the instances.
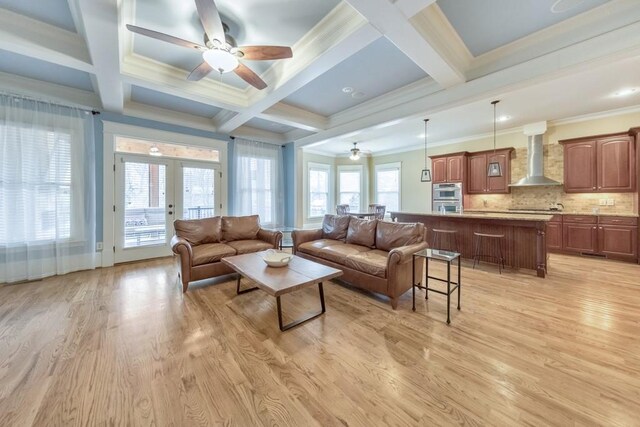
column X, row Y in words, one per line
column 426, row 175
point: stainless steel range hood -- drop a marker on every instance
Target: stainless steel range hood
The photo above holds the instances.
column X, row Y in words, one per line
column 535, row 158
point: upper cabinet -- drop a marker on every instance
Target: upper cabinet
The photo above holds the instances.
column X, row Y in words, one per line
column 478, row 163
column 448, row 168
column 599, row 164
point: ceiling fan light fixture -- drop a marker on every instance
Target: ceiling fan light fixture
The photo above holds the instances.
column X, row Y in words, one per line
column 355, row 152
column 220, row 60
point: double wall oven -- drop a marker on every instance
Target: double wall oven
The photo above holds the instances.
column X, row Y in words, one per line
column 447, row 198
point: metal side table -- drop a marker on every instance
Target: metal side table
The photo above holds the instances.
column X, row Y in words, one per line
column 438, row 255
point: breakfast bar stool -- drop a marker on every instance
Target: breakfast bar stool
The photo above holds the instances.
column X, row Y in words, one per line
column 446, row 240
column 495, row 246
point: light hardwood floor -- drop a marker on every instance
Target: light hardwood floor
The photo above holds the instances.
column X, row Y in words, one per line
column 123, row 346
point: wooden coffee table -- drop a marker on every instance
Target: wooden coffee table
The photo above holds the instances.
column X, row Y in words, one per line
column 299, row 274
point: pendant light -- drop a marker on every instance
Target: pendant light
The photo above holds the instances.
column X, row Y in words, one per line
column 494, row 169
column 426, row 173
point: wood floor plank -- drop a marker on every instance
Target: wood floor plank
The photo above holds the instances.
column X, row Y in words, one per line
column 124, row 346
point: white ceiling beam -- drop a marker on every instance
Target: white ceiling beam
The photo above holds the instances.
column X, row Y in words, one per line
column 409, row 8
column 339, row 35
column 164, row 115
column 46, row 91
column 293, row 116
column 391, row 22
column 29, row 37
column 249, row 132
column 100, row 27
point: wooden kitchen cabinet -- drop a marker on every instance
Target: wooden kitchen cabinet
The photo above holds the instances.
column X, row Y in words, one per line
column 618, row 241
column 477, row 180
column 616, row 164
column 582, row 238
column 448, row 168
column 603, row 164
column 439, row 170
column 554, row 234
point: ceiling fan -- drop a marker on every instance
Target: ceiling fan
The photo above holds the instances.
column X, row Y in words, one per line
column 220, row 51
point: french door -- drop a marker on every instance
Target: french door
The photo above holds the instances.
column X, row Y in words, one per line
column 150, row 193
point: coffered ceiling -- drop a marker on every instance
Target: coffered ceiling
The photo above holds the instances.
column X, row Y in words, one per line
column 402, row 60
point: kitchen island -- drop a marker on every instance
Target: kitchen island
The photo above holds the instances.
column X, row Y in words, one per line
column 524, row 234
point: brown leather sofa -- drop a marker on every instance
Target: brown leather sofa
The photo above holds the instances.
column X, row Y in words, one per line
column 202, row 243
column 374, row 255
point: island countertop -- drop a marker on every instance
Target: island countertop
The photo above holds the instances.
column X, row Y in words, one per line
column 485, row 215
column 549, row 212
column 523, row 240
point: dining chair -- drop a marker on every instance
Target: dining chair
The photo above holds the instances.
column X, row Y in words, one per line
column 379, row 211
column 342, row 209
column 372, row 207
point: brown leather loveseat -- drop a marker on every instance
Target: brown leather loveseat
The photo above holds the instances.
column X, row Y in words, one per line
column 202, row 243
column 374, row 255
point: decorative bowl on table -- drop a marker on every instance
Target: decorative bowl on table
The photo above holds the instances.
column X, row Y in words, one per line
column 275, row 258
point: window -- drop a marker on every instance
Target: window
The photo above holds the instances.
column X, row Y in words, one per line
column 36, row 186
column 350, row 187
column 257, row 187
column 319, row 179
column 388, row 186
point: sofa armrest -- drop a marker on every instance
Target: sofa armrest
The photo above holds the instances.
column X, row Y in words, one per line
column 272, row 237
column 404, row 254
column 182, row 247
column 302, row 236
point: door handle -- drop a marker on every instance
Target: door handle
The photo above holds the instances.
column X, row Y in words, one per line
column 170, row 213
column 170, row 206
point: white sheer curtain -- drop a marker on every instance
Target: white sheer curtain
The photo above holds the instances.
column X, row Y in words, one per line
column 259, row 181
column 47, row 189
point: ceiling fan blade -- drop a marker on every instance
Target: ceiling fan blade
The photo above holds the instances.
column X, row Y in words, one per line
column 200, row 72
column 164, row 37
column 210, row 18
column 261, row 53
column 250, row 77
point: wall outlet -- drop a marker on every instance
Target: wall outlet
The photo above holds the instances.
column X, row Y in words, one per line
column 611, row 202
column 603, row 202
column 98, row 246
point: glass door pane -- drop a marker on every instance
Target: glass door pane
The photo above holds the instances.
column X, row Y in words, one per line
column 145, row 213
column 198, row 192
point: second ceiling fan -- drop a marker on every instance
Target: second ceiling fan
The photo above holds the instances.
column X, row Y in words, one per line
column 220, row 51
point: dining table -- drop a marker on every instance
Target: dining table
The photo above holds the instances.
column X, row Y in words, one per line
column 363, row 214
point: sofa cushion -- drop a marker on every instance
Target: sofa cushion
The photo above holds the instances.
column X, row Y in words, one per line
column 338, row 253
column 371, row 262
column 211, row 252
column 316, row 246
column 362, row 232
column 248, row 246
column 240, row 227
column 335, row 227
column 390, row 235
column 199, row 231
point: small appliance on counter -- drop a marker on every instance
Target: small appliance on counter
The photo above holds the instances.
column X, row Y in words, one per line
column 447, row 198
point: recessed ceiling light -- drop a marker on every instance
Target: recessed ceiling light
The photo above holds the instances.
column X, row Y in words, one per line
column 357, row 95
column 564, row 5
column 504, row 118
column 347, row 89
column 626, row 92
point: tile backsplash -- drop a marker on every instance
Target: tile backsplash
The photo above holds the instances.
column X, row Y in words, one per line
column 543, row 197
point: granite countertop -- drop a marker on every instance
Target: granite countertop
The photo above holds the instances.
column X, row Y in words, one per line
column 483, row 211
column 487, row 215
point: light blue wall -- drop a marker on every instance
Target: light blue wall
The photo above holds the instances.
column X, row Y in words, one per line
column 289, row 181
column 151, row 124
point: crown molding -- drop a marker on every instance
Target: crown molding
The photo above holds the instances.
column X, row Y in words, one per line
column 409, row 8
column 38, row 89
column 595, row 116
